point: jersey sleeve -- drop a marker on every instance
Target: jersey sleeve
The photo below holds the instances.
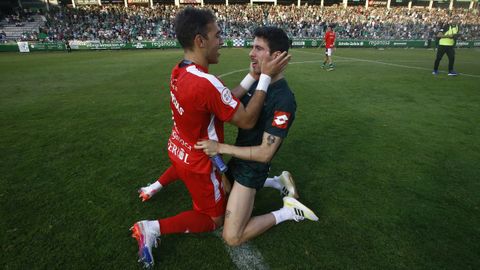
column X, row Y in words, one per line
column 281, row 118
column 219, row 99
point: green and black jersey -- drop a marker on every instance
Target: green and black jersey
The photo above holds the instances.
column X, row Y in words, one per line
column 276, row 118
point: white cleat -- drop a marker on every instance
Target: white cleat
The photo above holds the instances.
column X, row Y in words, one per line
column 146, row 239
column 299, row 211
column 288, row 184
column 145, row 193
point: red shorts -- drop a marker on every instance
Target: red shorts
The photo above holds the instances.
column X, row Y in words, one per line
column 206, row 190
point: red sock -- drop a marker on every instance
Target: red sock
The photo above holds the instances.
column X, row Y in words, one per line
column 187, row 222
column 168, row 176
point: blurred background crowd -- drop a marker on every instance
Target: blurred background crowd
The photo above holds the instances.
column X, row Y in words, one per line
column 140, row 23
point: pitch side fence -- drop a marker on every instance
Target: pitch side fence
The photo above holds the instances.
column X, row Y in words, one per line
column 169, row 44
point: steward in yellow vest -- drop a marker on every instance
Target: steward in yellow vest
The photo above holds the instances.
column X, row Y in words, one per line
column 448, row 35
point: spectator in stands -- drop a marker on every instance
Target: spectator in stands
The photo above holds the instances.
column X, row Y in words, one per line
column 127, row 24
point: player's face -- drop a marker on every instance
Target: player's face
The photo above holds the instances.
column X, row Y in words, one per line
column 213, row 43
column 259, row 51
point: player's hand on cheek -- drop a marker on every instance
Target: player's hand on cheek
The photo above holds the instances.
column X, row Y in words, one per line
column 255, row 75
column 283, row 59
column 273, row 64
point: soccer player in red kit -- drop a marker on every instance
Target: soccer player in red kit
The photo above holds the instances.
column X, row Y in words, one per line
column 200, row 104
column 329, row 48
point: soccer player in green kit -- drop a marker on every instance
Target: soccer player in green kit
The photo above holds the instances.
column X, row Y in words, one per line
column 255, row 148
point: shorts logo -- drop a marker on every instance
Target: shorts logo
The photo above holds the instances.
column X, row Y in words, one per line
column 226, row 96
column 280, row 119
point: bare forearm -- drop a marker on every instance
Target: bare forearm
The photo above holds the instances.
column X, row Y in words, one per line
column 254, row 106
column 253, row 153
column 239, row 92
column 248, row 116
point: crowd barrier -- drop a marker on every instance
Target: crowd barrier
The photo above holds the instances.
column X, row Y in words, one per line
column 168, row 44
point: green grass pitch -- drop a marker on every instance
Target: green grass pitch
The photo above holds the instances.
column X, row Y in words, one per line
column 385, row 153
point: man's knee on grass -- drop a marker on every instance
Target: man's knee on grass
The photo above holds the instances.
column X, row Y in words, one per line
column 232, row 239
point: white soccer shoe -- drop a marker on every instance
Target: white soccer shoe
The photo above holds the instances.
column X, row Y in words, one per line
column 146, row 239
column 145, row 193
column 288, row 184
column 299, row 211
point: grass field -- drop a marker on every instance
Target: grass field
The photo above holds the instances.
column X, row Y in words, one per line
column 387, row 155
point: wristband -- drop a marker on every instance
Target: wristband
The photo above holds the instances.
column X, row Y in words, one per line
column 264, row 82
column 247, row 82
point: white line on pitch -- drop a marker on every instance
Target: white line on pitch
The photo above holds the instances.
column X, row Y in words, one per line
column 245, row 256
column 390, row 64
column 291, row 63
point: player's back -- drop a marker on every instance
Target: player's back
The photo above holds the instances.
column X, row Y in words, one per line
column 190, row 114
column 197, row 108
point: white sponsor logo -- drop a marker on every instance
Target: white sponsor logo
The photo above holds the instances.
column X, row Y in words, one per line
column 298, row 43
column 226, row 96
column 379, row 42
column 176, row 104
column 281, row 119
column 178, row 152
column 166, row 43
column 180, row 140
column 377, row 3
column 350, row 43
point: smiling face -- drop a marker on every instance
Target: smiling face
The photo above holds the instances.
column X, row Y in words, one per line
column 259, row 51
column 213, row 43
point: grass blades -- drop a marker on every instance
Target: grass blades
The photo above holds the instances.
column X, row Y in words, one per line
column 385, row 153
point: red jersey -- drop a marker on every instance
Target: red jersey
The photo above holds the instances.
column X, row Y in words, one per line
column 200, row 104
column 329, row 39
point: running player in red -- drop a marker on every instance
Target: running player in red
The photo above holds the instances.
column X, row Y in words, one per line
column 329, row 48
column 200, row 104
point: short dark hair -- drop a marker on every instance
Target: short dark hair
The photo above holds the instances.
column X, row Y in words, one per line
column 190, row 22
column 276, row 38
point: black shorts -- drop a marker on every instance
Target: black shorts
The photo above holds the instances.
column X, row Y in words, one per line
column 248, row 173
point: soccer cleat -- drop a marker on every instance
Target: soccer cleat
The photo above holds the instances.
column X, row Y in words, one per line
column 288, row 184
column 435, row 72
column 147, row 192
column 299, row 211
column 452, row 73
column 146, row 239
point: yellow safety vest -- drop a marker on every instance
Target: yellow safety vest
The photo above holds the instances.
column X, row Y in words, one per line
column 449, row 41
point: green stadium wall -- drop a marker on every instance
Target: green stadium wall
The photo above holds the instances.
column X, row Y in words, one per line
column 168, row 44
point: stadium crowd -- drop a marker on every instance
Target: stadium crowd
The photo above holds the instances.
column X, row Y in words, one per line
column 139, row 23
